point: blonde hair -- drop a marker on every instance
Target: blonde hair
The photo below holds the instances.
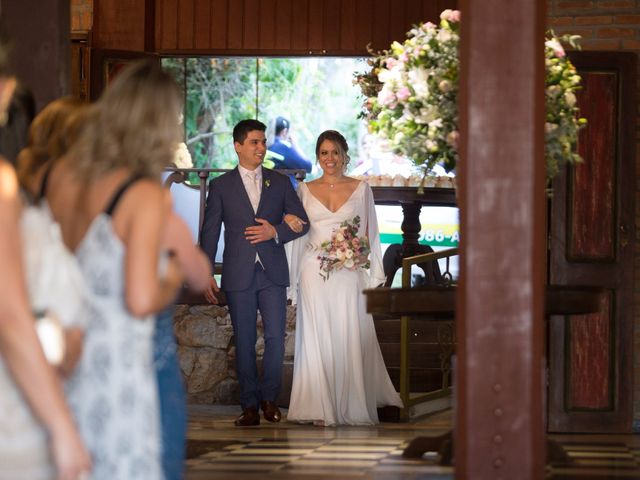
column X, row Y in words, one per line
column 47, row 137
column 134, row 125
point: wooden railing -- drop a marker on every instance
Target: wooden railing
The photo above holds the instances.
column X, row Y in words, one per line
column 446, row 336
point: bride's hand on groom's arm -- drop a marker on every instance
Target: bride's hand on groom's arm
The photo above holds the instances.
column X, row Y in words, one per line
column 260, row 233
column 295, row 223
column 209, row 291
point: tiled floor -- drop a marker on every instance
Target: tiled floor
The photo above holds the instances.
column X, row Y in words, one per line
column 218, row 450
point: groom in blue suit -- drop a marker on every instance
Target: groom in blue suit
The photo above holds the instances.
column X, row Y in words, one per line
column 251, row 201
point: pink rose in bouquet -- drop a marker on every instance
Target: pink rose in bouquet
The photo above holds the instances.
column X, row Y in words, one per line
column 345, row 249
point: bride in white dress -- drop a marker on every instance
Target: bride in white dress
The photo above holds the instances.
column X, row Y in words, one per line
column 339, row 376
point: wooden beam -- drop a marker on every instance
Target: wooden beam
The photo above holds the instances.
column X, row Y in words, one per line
column 499, row 385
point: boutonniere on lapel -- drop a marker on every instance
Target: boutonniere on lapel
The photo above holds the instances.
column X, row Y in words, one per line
column 267, row 183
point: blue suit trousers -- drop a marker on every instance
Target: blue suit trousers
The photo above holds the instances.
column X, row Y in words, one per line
column 271, row 300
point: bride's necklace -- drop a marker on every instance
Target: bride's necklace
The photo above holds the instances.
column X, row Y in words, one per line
column 331, row 184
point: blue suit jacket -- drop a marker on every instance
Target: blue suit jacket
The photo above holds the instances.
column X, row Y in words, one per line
column 228, row 202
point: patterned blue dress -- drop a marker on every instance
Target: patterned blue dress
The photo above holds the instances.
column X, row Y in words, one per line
column 113, row 392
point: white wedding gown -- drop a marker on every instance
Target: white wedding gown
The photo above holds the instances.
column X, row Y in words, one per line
column 339, row 376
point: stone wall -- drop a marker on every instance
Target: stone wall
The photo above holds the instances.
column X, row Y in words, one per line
column 206, row 353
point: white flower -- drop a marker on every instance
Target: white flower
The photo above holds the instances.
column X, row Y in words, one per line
column 418, row 78
column 452, row 138
column 340, row 254
column 444, row 36
column 426, row 115
column 339, row 237
column 550, row 127
column 390, row 76
column 445, row 86
column 386, row 96
column 554, row 90
column 182, row 157
column 348, row 263
column 348, row 253
column 570, row 98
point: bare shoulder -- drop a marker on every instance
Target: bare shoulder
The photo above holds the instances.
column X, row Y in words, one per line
column 352, row 183
column 8, row 181
column 351, row 180
column 145, row 196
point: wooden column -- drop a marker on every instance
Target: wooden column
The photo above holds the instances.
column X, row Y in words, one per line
column 41, row 53
column 500, row 323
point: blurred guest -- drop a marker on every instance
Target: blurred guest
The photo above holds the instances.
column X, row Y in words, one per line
column 38, row 439
column 14, row 133
column 284, row 152
column 173, row 413
column 112, row 210
column 48, row 139
column 53, row 277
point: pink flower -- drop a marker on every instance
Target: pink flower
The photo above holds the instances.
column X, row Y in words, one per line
column 403, row 94
column 450, row 15
column 386, row 98
column 555, row 45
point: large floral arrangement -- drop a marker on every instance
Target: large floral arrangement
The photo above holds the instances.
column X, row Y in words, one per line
column 411, row 96
column 345, row 249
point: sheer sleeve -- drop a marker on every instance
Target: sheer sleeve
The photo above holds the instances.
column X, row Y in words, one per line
column 376, row 272
column 294, row 251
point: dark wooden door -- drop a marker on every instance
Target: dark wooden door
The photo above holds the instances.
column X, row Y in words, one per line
column 592, row 243
column 105, row 65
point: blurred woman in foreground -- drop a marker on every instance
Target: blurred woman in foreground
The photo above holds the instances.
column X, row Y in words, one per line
column 112, row 209
column 38, row 439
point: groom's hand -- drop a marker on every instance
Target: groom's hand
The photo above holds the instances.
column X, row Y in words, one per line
column 260, row 233
column 208, row 293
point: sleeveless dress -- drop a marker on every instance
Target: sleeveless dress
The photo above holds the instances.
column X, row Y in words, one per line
column 339, row 376
column 113, row 392
column 56, row 284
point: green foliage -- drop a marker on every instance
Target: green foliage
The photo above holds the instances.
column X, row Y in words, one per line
column 315, row 94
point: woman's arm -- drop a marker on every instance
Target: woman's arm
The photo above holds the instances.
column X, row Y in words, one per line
column 19, row 345
column 193, row 262
column 141, row 216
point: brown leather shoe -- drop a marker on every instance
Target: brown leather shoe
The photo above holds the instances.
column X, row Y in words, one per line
column 249, row 418
column 271, row 411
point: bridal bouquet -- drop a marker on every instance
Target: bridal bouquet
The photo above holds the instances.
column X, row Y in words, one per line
column 411, row 95
column 345, row 249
